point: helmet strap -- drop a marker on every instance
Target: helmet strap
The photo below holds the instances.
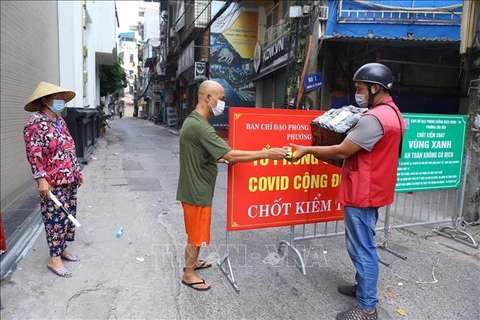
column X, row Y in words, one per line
column 371, row 95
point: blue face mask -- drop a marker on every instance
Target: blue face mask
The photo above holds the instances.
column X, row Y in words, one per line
column 58, row 106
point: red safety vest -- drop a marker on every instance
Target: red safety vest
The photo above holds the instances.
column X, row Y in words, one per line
column 369, row 178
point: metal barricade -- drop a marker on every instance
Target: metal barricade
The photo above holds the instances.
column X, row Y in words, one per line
column 421, row 208
column 307, row 232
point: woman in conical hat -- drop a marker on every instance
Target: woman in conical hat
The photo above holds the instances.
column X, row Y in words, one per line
column 51, row 153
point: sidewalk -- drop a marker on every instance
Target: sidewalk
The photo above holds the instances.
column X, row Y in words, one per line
column 131, row 182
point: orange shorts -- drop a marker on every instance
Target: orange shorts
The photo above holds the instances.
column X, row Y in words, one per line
column 197, row 224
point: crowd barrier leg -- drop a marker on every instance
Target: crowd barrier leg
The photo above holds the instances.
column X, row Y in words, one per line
column 454, row 232
column 386, row 229
column 291, row 245
column 226, row 266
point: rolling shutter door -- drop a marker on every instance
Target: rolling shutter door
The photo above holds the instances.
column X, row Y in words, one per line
column 280, row 89
column 268, row 92
column 29, row 55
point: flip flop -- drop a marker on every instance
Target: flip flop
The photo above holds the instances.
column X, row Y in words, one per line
column 191, row 285
column 204, row 265
column 71, row 257
column 61, row 272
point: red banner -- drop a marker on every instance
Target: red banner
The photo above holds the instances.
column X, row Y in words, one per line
column 273, row 193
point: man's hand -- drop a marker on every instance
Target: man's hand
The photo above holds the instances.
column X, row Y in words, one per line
column 80, row 181
column 277, row 153
column 44, row 187
column 301, row 151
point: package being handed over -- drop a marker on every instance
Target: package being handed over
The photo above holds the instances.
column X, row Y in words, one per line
column 331, row 127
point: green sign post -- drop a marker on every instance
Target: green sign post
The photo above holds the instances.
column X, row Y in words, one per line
column 432, row 152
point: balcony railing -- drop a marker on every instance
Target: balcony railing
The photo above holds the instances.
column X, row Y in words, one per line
column 274, row 32
column 388, row 16
column 396, row 15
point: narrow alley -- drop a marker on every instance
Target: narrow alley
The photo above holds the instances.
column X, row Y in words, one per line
column 131, row 182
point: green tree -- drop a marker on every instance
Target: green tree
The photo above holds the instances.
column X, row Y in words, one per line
column 112, row 78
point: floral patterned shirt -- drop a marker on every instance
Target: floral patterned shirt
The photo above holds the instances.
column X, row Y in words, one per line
column 51, row 150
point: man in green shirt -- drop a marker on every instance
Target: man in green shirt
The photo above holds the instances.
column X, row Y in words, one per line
column 200, row 150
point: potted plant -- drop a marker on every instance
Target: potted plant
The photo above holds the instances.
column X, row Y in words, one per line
column 102, row 119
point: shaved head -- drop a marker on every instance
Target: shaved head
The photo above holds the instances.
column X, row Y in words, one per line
column 209, row 87
column 209, row 94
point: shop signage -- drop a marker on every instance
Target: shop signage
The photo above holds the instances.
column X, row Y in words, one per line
column 273, row 193
column 200, row 71
column 276, row 48
column 257, row 57
column 313, row 81
column 171, row 117
column 432, row 152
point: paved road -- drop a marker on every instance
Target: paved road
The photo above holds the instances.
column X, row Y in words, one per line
column 131, row 182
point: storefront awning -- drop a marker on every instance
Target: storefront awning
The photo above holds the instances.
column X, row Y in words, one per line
column 276, row 65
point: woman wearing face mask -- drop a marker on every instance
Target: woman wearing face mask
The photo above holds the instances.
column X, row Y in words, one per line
column 51, row 154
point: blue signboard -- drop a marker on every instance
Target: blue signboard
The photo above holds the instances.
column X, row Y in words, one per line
column 395, row 19
column 313, row 81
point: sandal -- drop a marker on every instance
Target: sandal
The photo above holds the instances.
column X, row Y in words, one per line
column 203, row 265
column 61, row 272
column 192, row 284
column 356, row 313
column 71, row 257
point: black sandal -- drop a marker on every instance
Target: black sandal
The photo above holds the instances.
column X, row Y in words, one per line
column 356, row 313
column 192, row 284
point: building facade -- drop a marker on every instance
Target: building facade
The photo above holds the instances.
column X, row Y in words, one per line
column 128, row 53
column 61, row 42
column 326, row 40
column 86, row 31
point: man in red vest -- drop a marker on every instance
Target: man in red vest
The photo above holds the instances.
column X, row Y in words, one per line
column 370, row 153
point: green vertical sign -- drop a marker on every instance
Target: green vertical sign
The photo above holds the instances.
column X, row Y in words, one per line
column 432, row 152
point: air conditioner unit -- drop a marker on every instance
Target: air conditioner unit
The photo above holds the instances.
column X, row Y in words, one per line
column 323, row 13
column 295, row 11
column 306, row 9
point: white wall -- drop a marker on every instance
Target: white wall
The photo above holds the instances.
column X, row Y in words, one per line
column 70, row 34
column 100, row 38
column 104, row 23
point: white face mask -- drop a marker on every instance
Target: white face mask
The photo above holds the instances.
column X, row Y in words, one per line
column 361, row 100
column 219, row 109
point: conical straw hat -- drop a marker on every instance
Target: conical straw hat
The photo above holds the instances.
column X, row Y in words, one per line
column 45, row 89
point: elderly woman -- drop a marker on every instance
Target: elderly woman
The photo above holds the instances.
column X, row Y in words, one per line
column 51, row 154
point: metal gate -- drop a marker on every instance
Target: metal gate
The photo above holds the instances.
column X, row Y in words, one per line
column 441, row 207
